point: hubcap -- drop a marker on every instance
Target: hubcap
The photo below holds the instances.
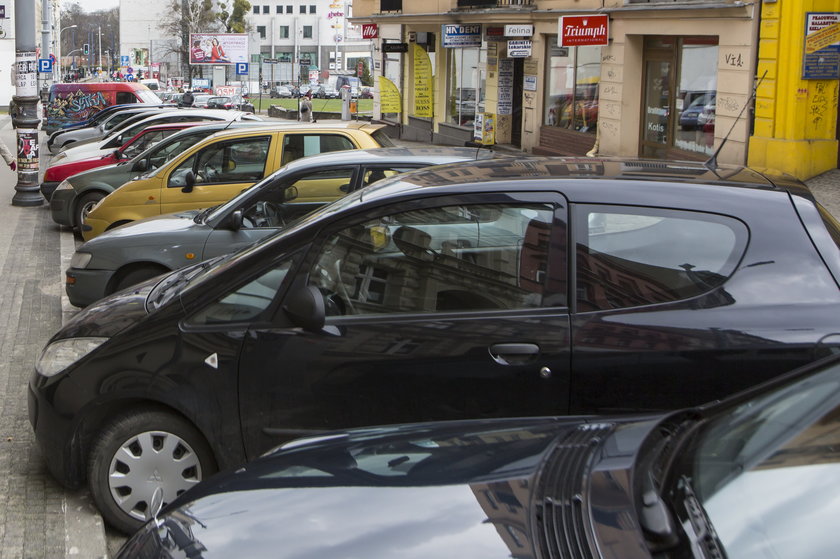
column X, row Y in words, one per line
column 86, row 210
column 145, row 462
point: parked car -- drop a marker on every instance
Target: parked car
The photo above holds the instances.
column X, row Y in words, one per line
column 75, row 102
column 366, row 93
column 218, row 168
column 149, row 247
column 688, row 117
column 101, row 123
column 136, row 145
column 730, row 479
column 501, row 288
column 76, row 195
column 228, row 103
column 200, row 100
column 86, row 149
column 281, row 92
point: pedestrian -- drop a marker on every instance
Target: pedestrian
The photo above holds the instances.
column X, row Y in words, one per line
column 187, row 99
column 306, row 108
column 7, row 156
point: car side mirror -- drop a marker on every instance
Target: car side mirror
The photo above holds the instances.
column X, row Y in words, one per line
column 189, row 182
column 235, row 221
column 306, row 308
column 141, row 166
column 117, row 154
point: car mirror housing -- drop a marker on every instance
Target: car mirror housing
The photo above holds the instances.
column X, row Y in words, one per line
column 306, row 308
column 235, row 221
column 189, row 182
column 141, row 166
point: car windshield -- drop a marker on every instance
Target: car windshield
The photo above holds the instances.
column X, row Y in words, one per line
column 765, row 470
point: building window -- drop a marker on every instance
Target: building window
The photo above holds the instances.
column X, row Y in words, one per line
column 288, row 9
column 466, row 84
column 278, row 9
column 311, row 8
column 256, row 9
column 261, row 31
column 284, row 31
column 307, row 31
column 266, row 9
column 679, row 72
column 302, row 9
column 572, row 87
column 390, row 5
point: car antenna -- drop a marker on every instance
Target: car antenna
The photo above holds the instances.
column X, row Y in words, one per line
column 711, row 163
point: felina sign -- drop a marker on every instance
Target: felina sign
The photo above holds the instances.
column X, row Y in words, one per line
column 579, row 31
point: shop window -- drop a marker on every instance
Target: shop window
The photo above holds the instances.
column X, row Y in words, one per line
column 466, row 84
column 680, row 91
column 572, row 87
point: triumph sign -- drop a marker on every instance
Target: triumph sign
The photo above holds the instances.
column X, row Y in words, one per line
column 578, row 31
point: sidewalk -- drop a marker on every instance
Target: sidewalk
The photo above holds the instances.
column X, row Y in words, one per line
column 40, row 518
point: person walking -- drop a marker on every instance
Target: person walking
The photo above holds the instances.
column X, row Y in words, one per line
column 305, row 113
column 8, row 156
column 187, row 99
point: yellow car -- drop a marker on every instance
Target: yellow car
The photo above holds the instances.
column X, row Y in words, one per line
column 221, row 166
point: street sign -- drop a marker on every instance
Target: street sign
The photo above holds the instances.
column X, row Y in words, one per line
column 241, row 68
column 271, row 60
column 45, row 65
column 124, row 61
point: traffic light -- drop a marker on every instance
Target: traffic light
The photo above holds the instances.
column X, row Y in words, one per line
column 86, row 49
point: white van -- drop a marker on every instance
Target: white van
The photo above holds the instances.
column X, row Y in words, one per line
column 151, row 83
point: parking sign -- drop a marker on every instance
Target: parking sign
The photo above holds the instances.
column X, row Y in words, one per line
column 45, row 65
column 241, row 68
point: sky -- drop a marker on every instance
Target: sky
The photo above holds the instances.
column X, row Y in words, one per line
column 96, row 5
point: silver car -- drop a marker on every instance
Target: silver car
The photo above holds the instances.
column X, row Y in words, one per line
column 143, row 249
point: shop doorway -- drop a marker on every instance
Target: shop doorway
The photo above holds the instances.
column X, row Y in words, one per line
column 516, row 109
column 678, row 98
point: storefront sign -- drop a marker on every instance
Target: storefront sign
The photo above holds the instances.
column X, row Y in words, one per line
column 460, row 36
column 370, row 31
column 495, row 33
column 422, row 82
column 394, row 47
column 519, row 30
column 529, row 83
column 505, row 88
column 519, row 48
column 821, row 60
column 389, row 96
column 577, row 31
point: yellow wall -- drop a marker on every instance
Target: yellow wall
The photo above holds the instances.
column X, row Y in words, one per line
column 795, row 119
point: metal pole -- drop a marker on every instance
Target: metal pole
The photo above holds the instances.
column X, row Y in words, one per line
column 25, row 118
column 99, row 48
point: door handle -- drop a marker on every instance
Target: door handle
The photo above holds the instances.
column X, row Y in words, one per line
column 514, row 354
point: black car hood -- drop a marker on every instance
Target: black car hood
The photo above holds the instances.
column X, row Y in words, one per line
column 111, row 315
column 462, row 489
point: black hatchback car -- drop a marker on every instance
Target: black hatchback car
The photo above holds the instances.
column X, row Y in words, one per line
column 500, row 288
column 748, row 477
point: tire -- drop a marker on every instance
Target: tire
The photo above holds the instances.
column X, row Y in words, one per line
column 84, row 204
column 165, row 451
column 136, row 275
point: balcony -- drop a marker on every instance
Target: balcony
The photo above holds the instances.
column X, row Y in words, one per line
column 493, row 3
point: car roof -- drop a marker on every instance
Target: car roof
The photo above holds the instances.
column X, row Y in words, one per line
column 391, row 155
column 294, row 125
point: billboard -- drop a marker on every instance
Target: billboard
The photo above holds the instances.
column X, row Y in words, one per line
column 218, row 48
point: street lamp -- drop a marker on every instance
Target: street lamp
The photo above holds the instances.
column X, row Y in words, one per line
column 59, row 49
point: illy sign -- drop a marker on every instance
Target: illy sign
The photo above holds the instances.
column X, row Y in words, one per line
column 370, row 31
column 577, row 31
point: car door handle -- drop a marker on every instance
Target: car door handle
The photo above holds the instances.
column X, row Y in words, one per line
column 514, row 354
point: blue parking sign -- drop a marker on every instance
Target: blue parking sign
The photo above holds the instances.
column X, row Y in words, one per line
column 45, row 65
column 124, row 61
column 241, row 68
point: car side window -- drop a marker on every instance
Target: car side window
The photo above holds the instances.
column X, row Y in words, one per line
column 124, row 97
column 247, row 302
column 373, row 174
column 468, row 257
column 173, row 150
column 296, row 146
column 242, row 160
column 145, row 141
column 629, row 256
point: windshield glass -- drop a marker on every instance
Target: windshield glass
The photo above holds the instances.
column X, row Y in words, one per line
column 147, row 96
column 767, row 470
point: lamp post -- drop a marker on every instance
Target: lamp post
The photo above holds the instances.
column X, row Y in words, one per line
column 59, row 49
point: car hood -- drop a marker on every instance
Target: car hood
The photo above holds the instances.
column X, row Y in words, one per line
column 111, row 315
column 139, row 232
column 462, row 488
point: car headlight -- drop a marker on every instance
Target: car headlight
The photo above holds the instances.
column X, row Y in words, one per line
column 80, row 260
column 60, row 354
column 64, row 185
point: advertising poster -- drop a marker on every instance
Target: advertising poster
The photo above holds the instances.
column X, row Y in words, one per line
column 821, row 60
column 422, row 82
column 28, row 149
column 218, row 48
column 505, row 106
column 461, row 36
column 26, row 74
column 389, row 96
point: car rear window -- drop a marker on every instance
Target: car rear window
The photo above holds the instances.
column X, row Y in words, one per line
column 628, row 256
column 382, row 138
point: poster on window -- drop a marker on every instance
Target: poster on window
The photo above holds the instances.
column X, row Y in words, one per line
column 422, row 82
column 218, row 48
column 505, row 105
column 389, row 96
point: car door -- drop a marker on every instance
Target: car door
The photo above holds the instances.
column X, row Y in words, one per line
column 219, row 171
column 272, row 206
column 443, row 308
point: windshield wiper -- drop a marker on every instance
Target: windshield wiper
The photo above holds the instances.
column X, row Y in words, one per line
column 699, row 529
column 203, row 214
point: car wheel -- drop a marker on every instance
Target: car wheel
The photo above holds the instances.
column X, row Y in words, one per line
column 83, row 206
column 136, row 275
column 139, row 453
